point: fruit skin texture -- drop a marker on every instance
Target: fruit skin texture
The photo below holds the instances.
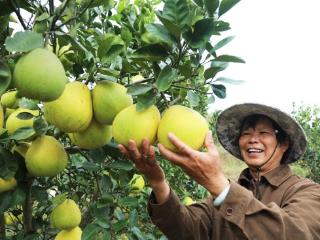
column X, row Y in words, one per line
column 13, row 123
column 109, row 98
column 9, row 99
column 95, row 136
column 187, row 124
column 67, row 215
column 46, row 157
column 130, row 124
column 137, row 183
column 6, row 185
column 72, row 111
column 72, row 234
column 39, row 75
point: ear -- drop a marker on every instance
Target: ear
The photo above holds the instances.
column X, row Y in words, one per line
column 285, row 145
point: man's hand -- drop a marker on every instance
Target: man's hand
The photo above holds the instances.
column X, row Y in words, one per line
column 203, row 167
column 145, row 162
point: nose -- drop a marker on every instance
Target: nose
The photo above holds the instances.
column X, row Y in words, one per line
column 254, row 137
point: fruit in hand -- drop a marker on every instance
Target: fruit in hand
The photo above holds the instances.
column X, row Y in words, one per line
column 109, row 98
column 131, row 124
column 67, row 215
column 46, row 157
column 95, row 136
column 72, row 111
column 39, row 75
column 187, row 124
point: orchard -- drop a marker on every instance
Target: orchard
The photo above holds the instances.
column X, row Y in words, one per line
column 79, row 77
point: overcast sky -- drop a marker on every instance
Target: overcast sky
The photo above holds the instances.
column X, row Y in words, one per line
column 280, row 42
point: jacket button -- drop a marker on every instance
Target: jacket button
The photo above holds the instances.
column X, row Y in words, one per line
column 229, row 211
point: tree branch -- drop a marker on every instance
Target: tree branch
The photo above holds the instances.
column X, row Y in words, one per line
column 27, row 208
column 2, row 227
column 13, row 5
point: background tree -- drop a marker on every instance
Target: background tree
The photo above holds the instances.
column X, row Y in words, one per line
column 171, row 45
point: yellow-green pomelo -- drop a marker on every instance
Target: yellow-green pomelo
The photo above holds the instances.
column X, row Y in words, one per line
column 6, row 185
column 8, row 111
column 109, row 98
column 187, row 124
column 131, row 124
column 72, row 234
column 72, row 111
column 46, row 157
column 39, row 75
column 9, row 99
column 187, row 201
column 67, row 215
column 95, row 136
column 137, row 183
column 13, row 122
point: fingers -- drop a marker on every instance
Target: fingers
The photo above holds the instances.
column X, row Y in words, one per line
column 134, row 153
column 209, row 143
column 182, row 147
column 171, row 156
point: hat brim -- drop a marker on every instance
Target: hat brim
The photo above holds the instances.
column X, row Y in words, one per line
column 230, row 120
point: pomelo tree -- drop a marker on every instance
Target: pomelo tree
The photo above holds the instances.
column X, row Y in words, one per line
column 175, row 47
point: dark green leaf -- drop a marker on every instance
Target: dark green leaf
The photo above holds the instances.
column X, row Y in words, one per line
column 214, row 69
column 122, row 165
column 25, row 115
column 40, row 126
column 23, row 133
column 199, row 3
column 18, row 197
column 89, row 232
column 5, row 201
column 118, row 226
column 8, row 163
column 223, row 42
column 226, row 5
column 229, row 58
column 193, row 98
column 24, row 42
column 5, row 77
column 220, row 26
column 110, row 45
column 146, row 100
column 154, row 52
column 165, row 78
column 160, row 32
column 137, row 89
column 211, row 6
column 28, row 103
column 177, row 11
column 198, row 36
column 129, row 201
column 173, row 28
column 219, row 90
column 133, row 218
column 90, row 166
column 136, row 231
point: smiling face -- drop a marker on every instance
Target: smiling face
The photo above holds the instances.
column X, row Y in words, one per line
column 259, row 145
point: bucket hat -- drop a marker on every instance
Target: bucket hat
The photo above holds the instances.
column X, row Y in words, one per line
column 230, row 121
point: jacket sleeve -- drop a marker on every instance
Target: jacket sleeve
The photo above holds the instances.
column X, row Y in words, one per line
column 178, row 222
column 297, row 218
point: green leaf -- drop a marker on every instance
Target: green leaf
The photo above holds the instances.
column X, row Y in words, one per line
column 89, row 232
column 121, row 165
column 223, row 42
column 229, row 58
column 219, row 90
column 165, row 78
column 146, row 100
column 28, row 103
column 138, row 89
column 5, row 201
column 211, row 6
column 226, row 5
column 123, row 4
column 110, row 45
column 5, row 77
column 18, row 197
column 24, row 42
column 8, row 163
column 160, row 32
column 129, row 201
column 173, row 28
column 193, row 98
column 23, row 133
column 177, row 11
column 40, row 126
column 92, row 167
column 229, row 80
column 25, row 115
column 214, row 69
column 201, row 33
column 199, row 3
column 154, row 52
column 118, row 226
column 136, row 231
column 133, row 218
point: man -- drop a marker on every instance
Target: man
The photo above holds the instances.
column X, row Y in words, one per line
column 267, row 202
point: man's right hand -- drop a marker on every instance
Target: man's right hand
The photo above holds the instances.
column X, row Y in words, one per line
column 145, row 162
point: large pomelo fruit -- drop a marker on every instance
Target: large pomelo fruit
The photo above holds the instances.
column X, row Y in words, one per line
column 13, row 122
column 187, row 124
column 131, row 124
column 72, row 111
column 67, row 215
column 72, row 234
column 95, row 136
column 109, row 98
column 39, row 75
column 46, row 157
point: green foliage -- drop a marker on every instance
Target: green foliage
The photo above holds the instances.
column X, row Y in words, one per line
column 309, row 118
column 170, row 43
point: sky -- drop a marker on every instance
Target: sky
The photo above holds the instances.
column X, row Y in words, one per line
column 280, row 42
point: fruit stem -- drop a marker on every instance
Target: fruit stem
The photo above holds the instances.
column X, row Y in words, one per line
column 27, row 208
column 2, row 227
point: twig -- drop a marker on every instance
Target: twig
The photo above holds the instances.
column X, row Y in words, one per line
column 27, row 208
column 2, row 227
column 13, row 5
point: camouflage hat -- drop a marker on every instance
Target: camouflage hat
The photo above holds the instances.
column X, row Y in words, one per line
column 230, row 120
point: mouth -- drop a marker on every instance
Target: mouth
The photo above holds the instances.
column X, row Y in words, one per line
column 254, row 150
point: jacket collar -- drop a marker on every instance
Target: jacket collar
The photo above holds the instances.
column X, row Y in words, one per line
column 275, row 177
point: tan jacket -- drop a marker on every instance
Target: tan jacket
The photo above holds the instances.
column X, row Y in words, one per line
column 289, row 209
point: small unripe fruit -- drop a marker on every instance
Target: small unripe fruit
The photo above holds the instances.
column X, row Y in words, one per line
column 67, row 215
